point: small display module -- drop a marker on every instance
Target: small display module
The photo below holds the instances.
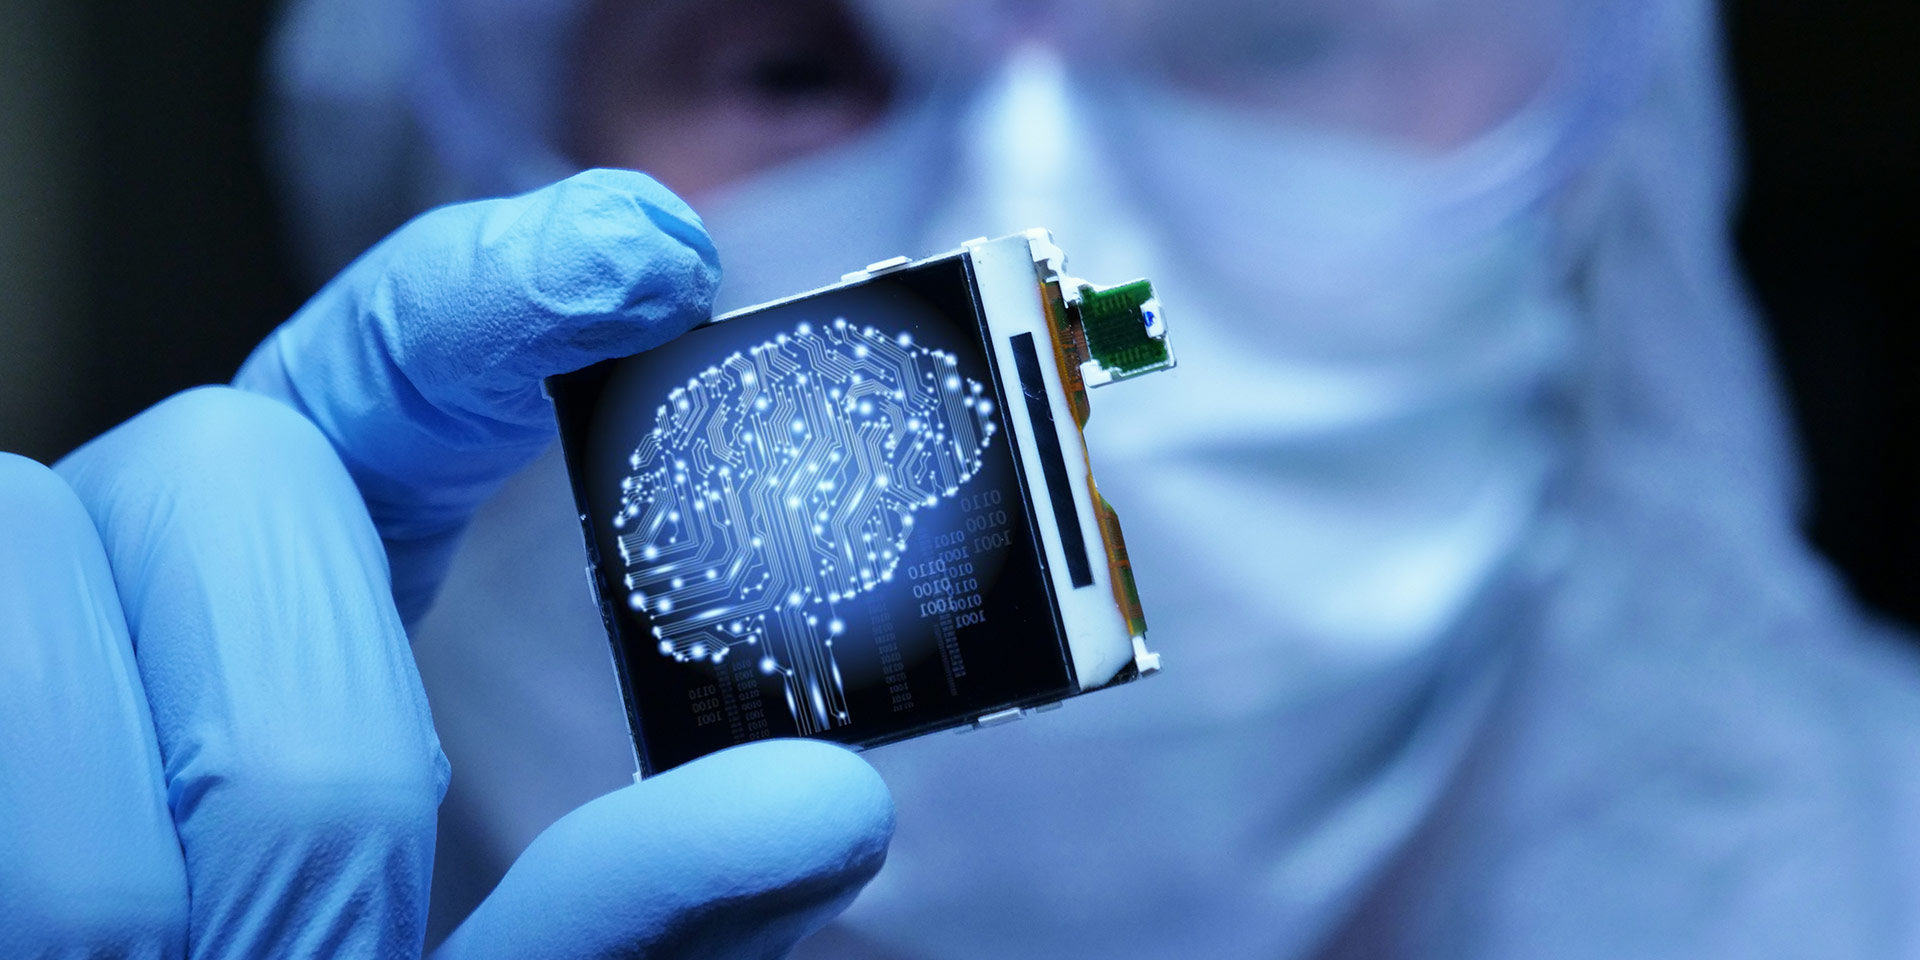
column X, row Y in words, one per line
column 819, row 517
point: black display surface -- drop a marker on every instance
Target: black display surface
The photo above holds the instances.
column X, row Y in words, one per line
column 806, row 521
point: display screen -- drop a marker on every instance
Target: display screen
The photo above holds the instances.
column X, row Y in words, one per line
column 805, row 521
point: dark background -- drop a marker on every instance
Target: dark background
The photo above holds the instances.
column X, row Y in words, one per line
column 140, row 121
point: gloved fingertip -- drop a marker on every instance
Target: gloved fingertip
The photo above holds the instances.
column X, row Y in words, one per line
column 477, row 303
column 651, row 251
column 739, row 854
column 662, row 207
column 813, row 789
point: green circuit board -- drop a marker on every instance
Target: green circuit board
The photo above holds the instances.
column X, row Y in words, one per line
column 1126, row 333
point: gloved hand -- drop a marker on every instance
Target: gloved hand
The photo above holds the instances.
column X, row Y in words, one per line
column 213, row 741
column 422, row 361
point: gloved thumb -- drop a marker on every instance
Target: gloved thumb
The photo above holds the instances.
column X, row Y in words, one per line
column 737, row 855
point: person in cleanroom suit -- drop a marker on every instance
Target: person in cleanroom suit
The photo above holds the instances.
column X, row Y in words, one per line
column 1466, row 526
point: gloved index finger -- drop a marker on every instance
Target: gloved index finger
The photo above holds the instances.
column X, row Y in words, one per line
column 422, row 361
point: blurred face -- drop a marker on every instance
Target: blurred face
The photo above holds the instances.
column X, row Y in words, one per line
column 704, row 92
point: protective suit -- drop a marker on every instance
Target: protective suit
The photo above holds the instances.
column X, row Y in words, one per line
column 1466, row 525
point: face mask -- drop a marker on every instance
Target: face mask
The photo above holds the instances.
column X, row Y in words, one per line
column 1312, row 500
column 1358, row 434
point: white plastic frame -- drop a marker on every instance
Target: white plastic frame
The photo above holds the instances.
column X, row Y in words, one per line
column 1009, row 287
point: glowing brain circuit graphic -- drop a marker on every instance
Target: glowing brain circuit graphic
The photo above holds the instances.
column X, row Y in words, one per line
column 783, row 482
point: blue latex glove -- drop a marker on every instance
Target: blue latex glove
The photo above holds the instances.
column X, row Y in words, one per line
column 422, row 361
column 213, row 741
